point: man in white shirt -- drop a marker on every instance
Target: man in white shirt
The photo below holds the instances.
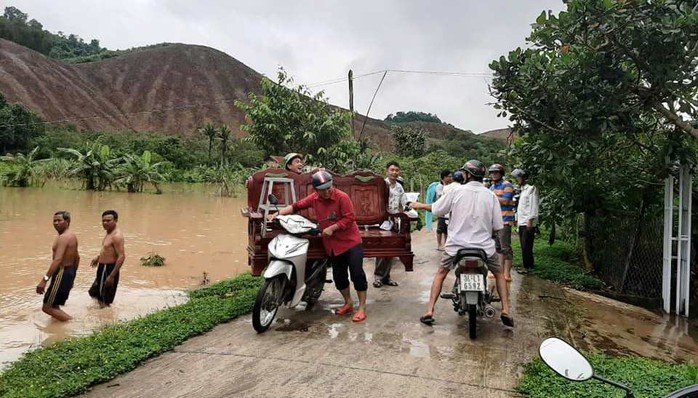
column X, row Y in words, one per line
column 396, row 204
column 475, row 215
column 526, row 217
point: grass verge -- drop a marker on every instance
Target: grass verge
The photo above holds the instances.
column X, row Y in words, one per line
column 69, row 367
column 559, row 262
column 647, row 378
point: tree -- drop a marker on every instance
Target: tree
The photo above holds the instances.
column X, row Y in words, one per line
column 597, row 100
column 17, row 126
column 136, row 171
column 209, row 131
column 411, row 116
column 25, row 170
column 287, row 119
column 601, row 66
column 409, row 141
column 95, row 166
column 224, row 135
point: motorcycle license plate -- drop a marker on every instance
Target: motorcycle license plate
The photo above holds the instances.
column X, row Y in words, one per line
column 472, row 283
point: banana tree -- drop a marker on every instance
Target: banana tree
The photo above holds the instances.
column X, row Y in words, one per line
column 96, row 166
column 25, row 170
column 136, row 171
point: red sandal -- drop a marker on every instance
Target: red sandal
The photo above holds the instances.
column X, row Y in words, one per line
column 359, row 317
column 344, row 310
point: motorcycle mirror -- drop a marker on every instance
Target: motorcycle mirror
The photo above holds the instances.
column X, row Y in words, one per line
column 565, row 360
column 272, row 199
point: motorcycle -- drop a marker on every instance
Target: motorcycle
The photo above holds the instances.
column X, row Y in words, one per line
column 287, row 281
column 470, row 294
column 569, row 363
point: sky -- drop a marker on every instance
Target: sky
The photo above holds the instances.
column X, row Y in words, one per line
column 319, row 41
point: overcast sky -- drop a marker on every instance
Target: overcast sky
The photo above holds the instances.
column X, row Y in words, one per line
column 317, row 41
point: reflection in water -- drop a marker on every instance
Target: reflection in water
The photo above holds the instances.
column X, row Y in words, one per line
column 203, row 237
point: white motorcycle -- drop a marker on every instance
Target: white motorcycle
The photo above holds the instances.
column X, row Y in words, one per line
column 470, row 293
column 286, row 280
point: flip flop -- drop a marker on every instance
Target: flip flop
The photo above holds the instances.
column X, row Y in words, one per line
column 390, row 283
column 359, row 317
column 507, row 320
column 344, row 310
column 377, row 284
column 427, row 320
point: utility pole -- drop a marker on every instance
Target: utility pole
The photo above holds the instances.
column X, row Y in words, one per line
column 351, row 102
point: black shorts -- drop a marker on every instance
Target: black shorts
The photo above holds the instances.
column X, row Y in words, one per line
column 101, row 292
column 441, row 225
column 59, row 289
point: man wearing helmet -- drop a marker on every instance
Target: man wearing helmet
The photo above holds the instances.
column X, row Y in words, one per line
column 294, row 162
column 474, row 215
column 341, row 238
column 505, row 193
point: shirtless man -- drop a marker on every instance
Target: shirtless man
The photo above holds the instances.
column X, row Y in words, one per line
column 62, row 270
column 109, row 261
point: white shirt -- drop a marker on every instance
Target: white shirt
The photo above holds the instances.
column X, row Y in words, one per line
column 528, row 205
column 475, row 215
column 397, row 200
column 450, row 187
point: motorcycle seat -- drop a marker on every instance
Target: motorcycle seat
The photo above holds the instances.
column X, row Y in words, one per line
column 470, row 252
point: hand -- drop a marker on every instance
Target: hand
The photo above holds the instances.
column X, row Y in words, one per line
column 41, row 287
column 94, row 262
column 109, row 281
column 327, row 232
column 529, row 227
column 272, row 216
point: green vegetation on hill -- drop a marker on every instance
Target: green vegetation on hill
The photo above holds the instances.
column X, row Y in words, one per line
column 411, row 116
column 15, row 27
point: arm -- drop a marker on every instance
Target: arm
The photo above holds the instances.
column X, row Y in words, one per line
column 300, row 205
column 497, row 221
column 77, row 261
column 507, row 198
column 534, row 207
column 55, row 264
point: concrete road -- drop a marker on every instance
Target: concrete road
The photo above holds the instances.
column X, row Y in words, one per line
column 319, row 354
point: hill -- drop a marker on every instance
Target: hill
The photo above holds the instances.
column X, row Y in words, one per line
column 167, row 89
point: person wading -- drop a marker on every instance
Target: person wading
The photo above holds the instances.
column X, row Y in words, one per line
column 109, row 261
column 62, row 270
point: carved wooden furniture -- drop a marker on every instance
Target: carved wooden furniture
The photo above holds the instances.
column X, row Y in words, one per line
column 369, row 193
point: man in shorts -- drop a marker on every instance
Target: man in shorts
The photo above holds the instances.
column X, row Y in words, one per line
column 505, row 194
column 109, row 261
column 475, row 215
column 62, row 270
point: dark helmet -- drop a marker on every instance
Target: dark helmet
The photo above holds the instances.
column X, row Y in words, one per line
column 475, row 168
column 459, row 177
column 322, row 180
column 518, row 173
column 289, row 158
column 497, row 168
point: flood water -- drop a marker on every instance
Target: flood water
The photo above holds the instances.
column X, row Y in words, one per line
column 196, row 231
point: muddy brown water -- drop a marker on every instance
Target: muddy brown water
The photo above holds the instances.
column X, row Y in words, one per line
column 196, row 231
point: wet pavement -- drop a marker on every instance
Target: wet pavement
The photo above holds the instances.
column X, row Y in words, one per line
column 319, row 354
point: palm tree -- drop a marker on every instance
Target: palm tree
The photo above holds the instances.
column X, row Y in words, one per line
column 136, row 171
column 25, row 172
column 224, row 135
column 95, row 166
column 209, row 130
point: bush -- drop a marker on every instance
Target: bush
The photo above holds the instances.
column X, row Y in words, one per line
column 560, row 263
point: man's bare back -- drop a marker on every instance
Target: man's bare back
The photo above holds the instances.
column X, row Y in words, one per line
column 69, row 241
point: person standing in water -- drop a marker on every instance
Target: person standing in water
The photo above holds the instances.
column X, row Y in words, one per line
column 62, row 270
column 109, row 261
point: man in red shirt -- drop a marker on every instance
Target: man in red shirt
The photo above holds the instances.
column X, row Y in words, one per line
column 341, row 238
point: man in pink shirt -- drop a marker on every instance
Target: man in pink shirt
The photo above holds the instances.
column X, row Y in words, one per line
column 341, row 238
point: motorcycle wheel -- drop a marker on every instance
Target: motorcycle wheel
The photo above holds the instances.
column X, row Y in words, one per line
column 318, row 285
column 267, row 303
column 472, row 318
